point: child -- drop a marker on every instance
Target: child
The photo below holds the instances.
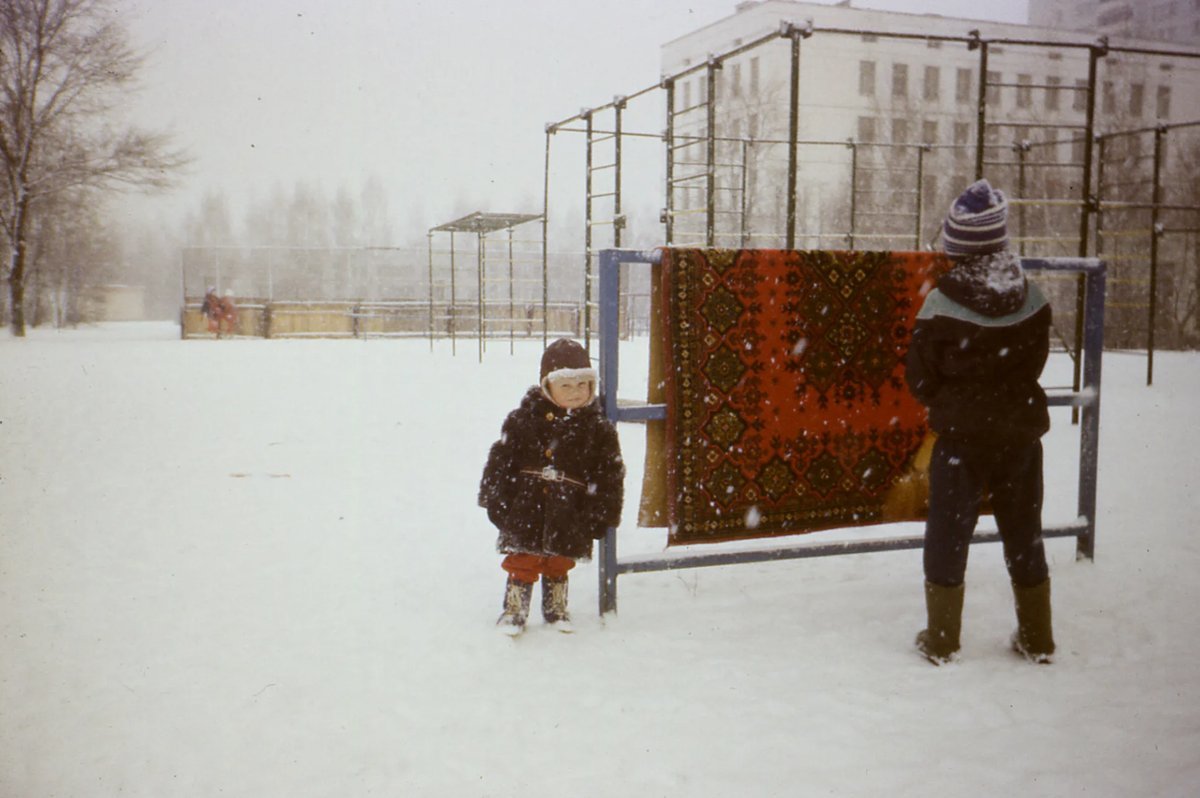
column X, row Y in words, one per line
column 553, row 483
column 978, row 347
column 221, row 312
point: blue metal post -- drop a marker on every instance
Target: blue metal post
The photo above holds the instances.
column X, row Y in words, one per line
column 1089, row 433
column 610, row 288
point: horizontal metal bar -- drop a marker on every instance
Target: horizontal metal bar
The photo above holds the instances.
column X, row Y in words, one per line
column 1069, row 398
column 1147, row 206
column 1034, row 125
column 1050, row 164
column 1044, row 201
column 644, row 412
column 670, row 561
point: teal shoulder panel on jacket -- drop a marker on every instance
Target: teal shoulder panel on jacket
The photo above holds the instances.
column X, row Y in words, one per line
column 938, row 304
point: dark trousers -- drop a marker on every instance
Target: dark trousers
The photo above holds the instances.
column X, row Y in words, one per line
column 960, row 475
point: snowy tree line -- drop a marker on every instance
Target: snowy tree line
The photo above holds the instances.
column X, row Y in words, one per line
column 66, row 67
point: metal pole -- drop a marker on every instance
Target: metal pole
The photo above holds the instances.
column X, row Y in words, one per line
column 1022, row 150
column 853, row 192
column 744, row 187
column 924, row 148
column 1156, row 232
column 545, row 240
column 618, row 220
column 512, row 308
column 793, row 136
column 668, row 217
column 479, row 259
column 1095, row 53
column 429, row 238
column 587, row 240
column 710, row 168
column 981, row 106
column 453, row 300
column 1089, row 433
column 610, row 287
column 1102, row 145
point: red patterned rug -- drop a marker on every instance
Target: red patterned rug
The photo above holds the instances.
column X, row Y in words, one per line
column 787, row 408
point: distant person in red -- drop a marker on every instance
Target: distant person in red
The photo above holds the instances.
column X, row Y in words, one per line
column 221, row 312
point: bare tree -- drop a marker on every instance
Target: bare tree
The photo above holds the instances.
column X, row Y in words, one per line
column 65, row 66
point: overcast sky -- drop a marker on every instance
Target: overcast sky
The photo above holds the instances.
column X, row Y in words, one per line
column 445, row 100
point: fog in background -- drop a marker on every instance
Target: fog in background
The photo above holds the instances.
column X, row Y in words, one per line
column 443, row 104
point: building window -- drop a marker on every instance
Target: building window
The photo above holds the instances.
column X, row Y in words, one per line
column 1137, row 93
column 1052, row 83
column 1162, row 108
column 866, row 128
column 735, row 79
column 754, row 75
column 962, row 133
column 866, row 78
column 929, row 131
column 1109, row 98
column 899, row 131
column 993, row 88
column 1081, row 94
column 1024, row 91
column 899, row 80
column 933, row 77
column 687, row 95
column 962, row 85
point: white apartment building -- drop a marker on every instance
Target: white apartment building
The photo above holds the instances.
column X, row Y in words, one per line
column 1175, row 21
column 899, row 81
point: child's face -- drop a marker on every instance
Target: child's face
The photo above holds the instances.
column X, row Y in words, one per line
column 571, row 393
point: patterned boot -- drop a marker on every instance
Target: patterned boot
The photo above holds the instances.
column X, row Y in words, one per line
column 517, row 597
column 938, row 641
column 1034, row 639
column 554, row 603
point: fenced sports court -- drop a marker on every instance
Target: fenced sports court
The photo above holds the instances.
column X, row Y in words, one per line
column 662, row 166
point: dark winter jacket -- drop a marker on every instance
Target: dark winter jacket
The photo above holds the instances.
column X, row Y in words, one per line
column 553, row 516
column 978, row 347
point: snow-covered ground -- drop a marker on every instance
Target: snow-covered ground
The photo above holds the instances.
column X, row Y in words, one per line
column 256, row 568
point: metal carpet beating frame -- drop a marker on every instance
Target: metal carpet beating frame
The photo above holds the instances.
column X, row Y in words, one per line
column 1086, row 400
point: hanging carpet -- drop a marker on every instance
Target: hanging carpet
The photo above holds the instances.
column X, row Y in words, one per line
column 783, row 373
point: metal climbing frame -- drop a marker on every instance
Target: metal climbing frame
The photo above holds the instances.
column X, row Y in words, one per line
column 708, row 176
column 1086, row 399
column 454, row 313
column 1144, row 223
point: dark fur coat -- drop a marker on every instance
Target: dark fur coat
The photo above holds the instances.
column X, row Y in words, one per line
column 538, row 516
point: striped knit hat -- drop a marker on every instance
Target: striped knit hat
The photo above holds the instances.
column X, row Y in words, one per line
column 977, row 223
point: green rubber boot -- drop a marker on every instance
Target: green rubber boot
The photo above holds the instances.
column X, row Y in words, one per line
column 1034, row 638
column 938, row 641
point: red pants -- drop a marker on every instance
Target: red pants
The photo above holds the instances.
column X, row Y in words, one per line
column 528, row 567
